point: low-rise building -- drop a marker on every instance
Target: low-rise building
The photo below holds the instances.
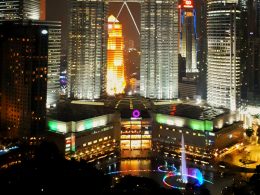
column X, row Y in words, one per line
column 207, row 131
column 87, row 132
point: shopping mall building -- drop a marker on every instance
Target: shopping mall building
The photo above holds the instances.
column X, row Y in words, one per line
column 93, row 132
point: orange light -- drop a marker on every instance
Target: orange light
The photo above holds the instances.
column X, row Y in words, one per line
column 115, row 58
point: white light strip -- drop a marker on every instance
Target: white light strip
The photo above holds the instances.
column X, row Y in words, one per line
column 120, row 10
column 132, row 17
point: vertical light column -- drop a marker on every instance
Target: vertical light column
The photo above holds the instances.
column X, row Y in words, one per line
column 115, row 58
column 188, row 35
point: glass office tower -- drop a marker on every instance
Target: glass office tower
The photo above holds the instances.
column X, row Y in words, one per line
column 159, row 49
column 188, row 35
column 87, row 49
column 223, row 74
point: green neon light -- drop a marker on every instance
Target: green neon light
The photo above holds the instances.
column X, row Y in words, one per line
column 190, row 123
column 57, row 126
column 53, row 125
column 88, row 124
column 161, row 119
column 197, row 125
column 209, row 125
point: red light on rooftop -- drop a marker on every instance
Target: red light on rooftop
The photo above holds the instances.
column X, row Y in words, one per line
column 187, row 3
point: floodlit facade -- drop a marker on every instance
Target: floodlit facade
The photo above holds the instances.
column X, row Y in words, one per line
column 94, row 138
column 207, row 131
column 223, row 72
column 188, row 35
column 54, row 61
column 87, row 49
column 19, row 9
column 159, row 54
column 115, row 58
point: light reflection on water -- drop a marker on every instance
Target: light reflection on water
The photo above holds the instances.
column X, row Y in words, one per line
column 148, row 168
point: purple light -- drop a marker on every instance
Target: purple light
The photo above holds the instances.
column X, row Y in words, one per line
column 136, row 113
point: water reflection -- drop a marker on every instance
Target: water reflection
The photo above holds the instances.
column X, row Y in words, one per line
column 149, row 168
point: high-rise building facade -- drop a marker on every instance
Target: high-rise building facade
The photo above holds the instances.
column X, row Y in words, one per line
column 87, row 49
column 23, row 78
column 223, row 74
column 54, row 61
column 19, row 9
column 159, row 53
column 35, row 10
column 115, row 78
column 188, row 34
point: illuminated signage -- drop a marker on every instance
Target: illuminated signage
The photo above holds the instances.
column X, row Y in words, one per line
column 136, row 114
column 187, row 4
column 57, row 126
column 184, row 122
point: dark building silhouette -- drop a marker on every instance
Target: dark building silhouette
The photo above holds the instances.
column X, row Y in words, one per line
column 250, row 51
column 23, row 78
column 201, row 10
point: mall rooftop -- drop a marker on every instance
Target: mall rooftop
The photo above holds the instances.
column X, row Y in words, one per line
column 192, row 111
column 67, row 111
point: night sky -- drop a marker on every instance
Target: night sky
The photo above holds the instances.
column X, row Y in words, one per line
column 57, row 10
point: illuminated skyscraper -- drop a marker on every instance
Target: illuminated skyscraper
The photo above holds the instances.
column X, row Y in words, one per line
column 19, row 9
column 188, row 34
column 23, row 78
column 159, row 53
column 115, row 58
column 35, row 10
column 87, row 49
column 54, row 60
column 223, row 74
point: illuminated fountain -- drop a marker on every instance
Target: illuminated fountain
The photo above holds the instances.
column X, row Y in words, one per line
column 183, row 162
column 173, row 178
column 185, row 175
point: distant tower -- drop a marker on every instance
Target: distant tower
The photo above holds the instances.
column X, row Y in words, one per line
column 159, row 53
column 87, row 49
column 19, row 9
column 115, row 58
column 223, row 75
column 188, row 34
column 201, row 19
column 23, row 78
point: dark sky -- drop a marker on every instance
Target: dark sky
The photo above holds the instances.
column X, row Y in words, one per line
column 58, row 10
column 129, row 30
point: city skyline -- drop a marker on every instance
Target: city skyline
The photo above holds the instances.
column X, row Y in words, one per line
column 130, row 96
